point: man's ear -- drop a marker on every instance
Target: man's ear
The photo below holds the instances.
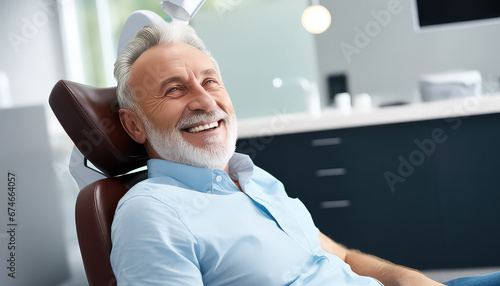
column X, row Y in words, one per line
column 133, row 125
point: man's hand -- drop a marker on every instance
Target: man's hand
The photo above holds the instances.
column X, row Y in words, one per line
column 372, row 266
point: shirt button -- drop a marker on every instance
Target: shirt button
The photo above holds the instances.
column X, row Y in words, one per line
column 209, row 191
column 218, row 178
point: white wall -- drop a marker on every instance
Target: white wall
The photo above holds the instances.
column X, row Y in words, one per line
column 30, row 53
column 255, row 42
column 391, row 63
column 31, row 62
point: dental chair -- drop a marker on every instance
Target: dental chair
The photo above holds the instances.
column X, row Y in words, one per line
column 89, row 116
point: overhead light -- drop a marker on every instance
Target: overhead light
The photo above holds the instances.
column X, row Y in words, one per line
column 316, row 19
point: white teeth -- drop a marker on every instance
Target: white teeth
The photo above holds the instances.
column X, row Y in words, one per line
column 203, row 127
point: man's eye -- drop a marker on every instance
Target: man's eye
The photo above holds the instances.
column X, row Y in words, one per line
column 173, row 89
column 210, row 81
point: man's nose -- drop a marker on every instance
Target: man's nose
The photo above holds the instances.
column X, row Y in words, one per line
column 201, row 100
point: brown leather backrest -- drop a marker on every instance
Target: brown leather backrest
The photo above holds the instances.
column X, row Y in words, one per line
column 95, row 210
column 89, row 115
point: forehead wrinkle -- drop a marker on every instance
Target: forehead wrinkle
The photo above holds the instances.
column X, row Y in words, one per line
column 206, row 72
column 183, row 76
column 209, row 72
column 164, row 83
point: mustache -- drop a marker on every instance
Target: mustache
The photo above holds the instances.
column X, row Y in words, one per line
column 202, row 116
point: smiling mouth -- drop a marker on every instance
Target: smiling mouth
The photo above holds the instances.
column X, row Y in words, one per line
column 203, row 127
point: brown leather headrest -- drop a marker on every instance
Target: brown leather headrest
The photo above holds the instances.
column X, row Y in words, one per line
column 89, row 115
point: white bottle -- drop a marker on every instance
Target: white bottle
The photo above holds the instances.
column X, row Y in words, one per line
column 343, row 101
column 362, row 101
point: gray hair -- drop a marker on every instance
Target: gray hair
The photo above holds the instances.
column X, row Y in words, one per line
column 146, row 38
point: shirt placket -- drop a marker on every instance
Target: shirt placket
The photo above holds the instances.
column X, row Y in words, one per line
column 293, row 232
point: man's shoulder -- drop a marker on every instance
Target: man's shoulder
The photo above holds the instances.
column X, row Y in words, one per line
column 163, row 190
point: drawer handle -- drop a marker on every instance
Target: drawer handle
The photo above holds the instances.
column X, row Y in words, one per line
column 335, row 204
column 326, row 141
column 331, row 172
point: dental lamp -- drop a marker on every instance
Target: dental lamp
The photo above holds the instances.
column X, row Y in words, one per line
column 181, row 10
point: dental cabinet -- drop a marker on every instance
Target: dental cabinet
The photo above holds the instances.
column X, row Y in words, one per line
column 418, row 185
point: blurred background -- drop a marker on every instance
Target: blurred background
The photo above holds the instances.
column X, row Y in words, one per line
column 268, row 60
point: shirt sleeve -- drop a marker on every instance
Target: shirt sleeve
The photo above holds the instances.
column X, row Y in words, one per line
column 152, row 246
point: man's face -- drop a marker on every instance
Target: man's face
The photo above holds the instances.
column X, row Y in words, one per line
column 186, row 107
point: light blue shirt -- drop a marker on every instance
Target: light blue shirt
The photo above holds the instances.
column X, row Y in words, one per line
column 192, row 226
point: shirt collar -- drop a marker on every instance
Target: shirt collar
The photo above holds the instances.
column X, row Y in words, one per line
column 240, row 169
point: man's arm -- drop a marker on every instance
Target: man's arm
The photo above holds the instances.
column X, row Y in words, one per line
column 152, row 247
column 368, row 265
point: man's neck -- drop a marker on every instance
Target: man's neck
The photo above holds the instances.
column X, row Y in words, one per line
column 237, row 185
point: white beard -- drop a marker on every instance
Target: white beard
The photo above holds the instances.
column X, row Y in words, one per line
column 170, row 145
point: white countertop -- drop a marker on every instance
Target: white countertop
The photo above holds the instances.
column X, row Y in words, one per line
column 335, row 119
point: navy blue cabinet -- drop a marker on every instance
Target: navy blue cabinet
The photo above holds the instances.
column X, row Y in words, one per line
column 424, row 194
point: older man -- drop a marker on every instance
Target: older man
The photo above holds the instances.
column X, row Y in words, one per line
column 207, row 215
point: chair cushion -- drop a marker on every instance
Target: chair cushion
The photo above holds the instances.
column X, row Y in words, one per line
column 89, row 115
